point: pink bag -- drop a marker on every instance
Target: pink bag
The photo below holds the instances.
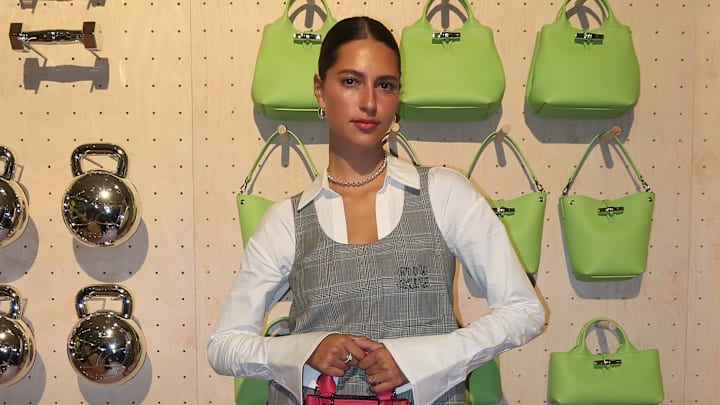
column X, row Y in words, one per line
column 325, row 395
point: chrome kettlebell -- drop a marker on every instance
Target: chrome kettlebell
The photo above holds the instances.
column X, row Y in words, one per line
column 106, row 347
column 13, row 202
column 101, row 208
column 17, row 344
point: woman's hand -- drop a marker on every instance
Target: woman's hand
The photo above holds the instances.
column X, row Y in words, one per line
column 380, row 366
column 336, row 354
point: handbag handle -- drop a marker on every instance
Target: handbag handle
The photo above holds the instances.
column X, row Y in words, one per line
column 303, row 150
column 329, row 20
column 595, row 140
column 406, row 143
column 625, row 344
column 607, row 12
column 327, row 387
column 524, row 160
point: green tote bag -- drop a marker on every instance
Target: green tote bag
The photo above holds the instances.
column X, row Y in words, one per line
column 483, row 385
column 523, row 215
column 579, row 74
column 282, row 85
column 627, row 377
column 251, row 207
column 449, row 75
column 607, row 240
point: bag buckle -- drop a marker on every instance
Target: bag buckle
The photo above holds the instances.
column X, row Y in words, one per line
column 504, row 211
column 607, row 362
column 307, row 36
column 589, row 37
column 446, row 35
column 610, row 211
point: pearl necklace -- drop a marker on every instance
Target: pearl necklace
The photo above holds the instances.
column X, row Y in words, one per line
column 358, row 183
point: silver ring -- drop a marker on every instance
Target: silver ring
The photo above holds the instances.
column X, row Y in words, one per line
column 348, row 358
column 372, row 381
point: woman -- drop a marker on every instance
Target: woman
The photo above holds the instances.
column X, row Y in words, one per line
column 369, row 251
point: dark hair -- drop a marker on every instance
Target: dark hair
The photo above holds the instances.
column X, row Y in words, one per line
column 352, row 29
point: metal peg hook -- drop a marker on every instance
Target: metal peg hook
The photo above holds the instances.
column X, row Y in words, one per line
column 611, row 133
column 21, row 41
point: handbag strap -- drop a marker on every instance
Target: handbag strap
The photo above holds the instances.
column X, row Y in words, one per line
column 303, row 150
column 625, row 344
column 406, row 143
column 524, row 160
column 329, row 20
column 595, row 140
column 327, row 387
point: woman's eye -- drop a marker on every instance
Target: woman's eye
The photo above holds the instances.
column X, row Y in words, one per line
column 390, row 86
column 349, row 81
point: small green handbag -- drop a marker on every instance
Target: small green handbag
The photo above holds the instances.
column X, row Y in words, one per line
column 251, row 208
column 522, row 216
column 282, row 85
column 251, row 391
column 627, row 377
column 449, row 75
column 607, row 240
column 578, row 74
column 483, row 386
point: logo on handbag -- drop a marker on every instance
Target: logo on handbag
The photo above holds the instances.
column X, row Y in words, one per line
column 307, row 37
column 589, row 37
column 503, row 211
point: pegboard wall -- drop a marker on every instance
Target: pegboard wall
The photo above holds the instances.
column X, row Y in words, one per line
column 171, row 85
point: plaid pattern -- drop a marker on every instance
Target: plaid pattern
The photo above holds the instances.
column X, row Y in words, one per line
column 398, row 286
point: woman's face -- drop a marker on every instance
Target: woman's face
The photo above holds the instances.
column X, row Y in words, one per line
column 360, row 92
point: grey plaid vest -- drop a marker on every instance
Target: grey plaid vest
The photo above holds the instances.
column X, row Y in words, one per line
column 398, row 286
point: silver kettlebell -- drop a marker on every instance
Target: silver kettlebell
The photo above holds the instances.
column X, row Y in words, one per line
column 17, row 344
column 13, row 202
column 106, row 347
column 101, row 208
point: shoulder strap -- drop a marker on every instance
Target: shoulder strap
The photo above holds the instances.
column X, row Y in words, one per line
column 512, row 143
column 406, row 143
column 303, row 150
column 595, row 140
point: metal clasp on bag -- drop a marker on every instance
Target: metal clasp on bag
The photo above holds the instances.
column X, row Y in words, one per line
column 589, row 37
column 504, row 211
column 307, row 37
column 604, row 211
column 607, row 363
column 446, row 35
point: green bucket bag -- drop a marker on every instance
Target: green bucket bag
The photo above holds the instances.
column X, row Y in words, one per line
column 250, row 207
column 522, row 216
column 449, row 75
column 282, row 85
column 483, row 385
column 579, row 74
column 627, row 377
column 607, row 240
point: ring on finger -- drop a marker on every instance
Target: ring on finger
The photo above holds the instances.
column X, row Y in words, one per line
column 348, row 358
column 372, row 381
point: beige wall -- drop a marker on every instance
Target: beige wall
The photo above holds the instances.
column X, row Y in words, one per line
column 178, row 101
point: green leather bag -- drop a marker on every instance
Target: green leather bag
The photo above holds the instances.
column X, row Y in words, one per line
column 579, row 74
column 607, row 239
column 449, row 75
column 483, row 386
column 523, row 216
column 627, row 377
column 251, row 391
column 282, row 86
column 251, row 208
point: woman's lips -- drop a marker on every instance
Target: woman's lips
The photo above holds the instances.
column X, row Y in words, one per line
column 365, row 125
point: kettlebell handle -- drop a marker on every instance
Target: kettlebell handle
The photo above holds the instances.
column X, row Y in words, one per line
column 106, row 149
column 7, row 291
column 104, row 290
column 9, row 159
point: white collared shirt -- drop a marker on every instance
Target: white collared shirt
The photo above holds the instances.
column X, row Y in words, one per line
column 432, row 364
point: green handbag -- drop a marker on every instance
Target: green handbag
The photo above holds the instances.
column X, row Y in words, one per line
column 282, row 85
column 251, row 391
column 607, row 240
column 449, row 75
column 483, row 386
column 522, row 216
column 577, row 74
column 252, row 207
column 627, row 377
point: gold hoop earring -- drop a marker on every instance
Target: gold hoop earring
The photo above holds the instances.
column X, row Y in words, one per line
column 321, row 113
